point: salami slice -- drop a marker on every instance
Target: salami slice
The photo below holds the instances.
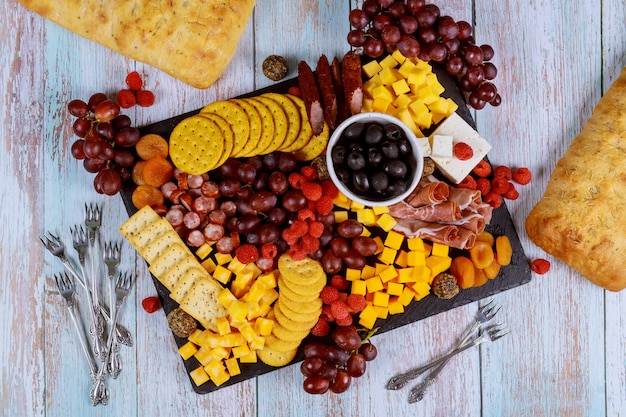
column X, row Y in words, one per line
column 352, row 81
column 311, row 97
column 327, row 90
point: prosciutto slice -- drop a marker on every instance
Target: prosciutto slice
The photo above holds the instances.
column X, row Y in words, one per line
column 441, row 233
column 429, row 191
column 447, row 211
column 465, row 197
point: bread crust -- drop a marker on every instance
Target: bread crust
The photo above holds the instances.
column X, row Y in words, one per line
column 581, row 218
column 192, row 40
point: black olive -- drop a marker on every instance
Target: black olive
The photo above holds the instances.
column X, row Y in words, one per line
column 404, row 146
column 360, row 181
column 390, row 149
column 395, row 168
column 374, row 134
column 374, row 157
column 356, row 161
column 344, row 175
column 339, row 154
column 356, row 147
column 379, row 181
column 353, row 131
column 392, row 131
column 396, row 188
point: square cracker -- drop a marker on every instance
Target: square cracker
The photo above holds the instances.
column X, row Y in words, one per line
column 138, row 222
column 202, row 304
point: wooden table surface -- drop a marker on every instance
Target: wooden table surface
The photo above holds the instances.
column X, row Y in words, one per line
column 566, row 355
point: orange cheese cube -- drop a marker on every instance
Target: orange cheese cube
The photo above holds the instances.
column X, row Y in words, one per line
column 381, row 312
column 223, row 258
column 221, row 352
column 381, row 299
column 232, row 339
column 232, row 366
column 386, row 222
column 204, row 250
column 257, row 343
column 216, row 371
column 395, row 288
column 204, row 355
column 268, row 279
column 415, row 258
column 368, row 317
column 438, row 264
column 439, row 249
column 240, row 351
column 199, row 376
column 263, row 326
column 374, row 284
column 195, row 336
column 352, row 274
column 422, row 273
column 395, row 307
column 422, row 289
column 388, row 274
column 406, row 275
column 394, row 240
column 247, row 332
column 237, row 311
column 269, row 296
column 254, row 310
column 378, row 210
column 359, row 287
column 223, row 325
column 222, row 274
column 236, row 265
column 388, row 256
column 379, row 245
column 402, row 259
column 209, row 265
column 249, row 358
column 368, row 271
column 415, row 243
column 226, row 297
column 187, row 350
column 406, row 297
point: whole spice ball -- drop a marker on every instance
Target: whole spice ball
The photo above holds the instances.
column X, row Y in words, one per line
column 445, row 286
column 275, row 67
column 181, row 323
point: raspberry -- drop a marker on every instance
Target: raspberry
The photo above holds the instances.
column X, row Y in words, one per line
column 522, row 176
column 339, row 309
column 145, row 98
column 326, row 314
column 309, row 172
column 468, row 182
column 483, row 185
column 346, row 321
column 339, row 282
column 482, row 169
column 316, row 229
column 296, row 180
column 540, row 266
column 312, row 191
column 463, row 151
column 299, row 227
column 151, row 304
column 511, row 193
column 269, row 250
column 503, row 171
column 309, row 244
column 296, row 252
column 133, row 81
column 247, row 253
column 329, row 189
column 290, row 236
column 355, row 302
column 321, row 328
column 324, row 205
column 126, row 99
column 295, row 91
column 493, row 199
column 500, row 185
column 329, row 294
column 306, row 214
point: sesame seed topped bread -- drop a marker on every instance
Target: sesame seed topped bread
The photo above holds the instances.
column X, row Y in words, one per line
column 581, row 217
column 192, row 40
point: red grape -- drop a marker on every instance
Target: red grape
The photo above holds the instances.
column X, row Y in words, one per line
column 380, row 22
column 106, row 110
column 390, row 35
column 127, row 136
column 409, row 46
column 108, row 181
column 316, row 385
column 490, row 71
column 356, row 37
column 397, row 10
column 356, row 366
column 465, row 29
column 96, row 99
column 371, row 8
column 78, row 108
column 78, row 150
column 346, row 337
column 81, row 127
column 488, row 52
column 447, row 28
column 408, row 24
column 415, row 5
column 373, row 47
column 341, row 383
column 455, row 65
column 358, row 18
column 473, row 55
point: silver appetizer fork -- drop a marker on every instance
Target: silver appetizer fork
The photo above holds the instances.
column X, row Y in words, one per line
column 491, row 334
column 484, row 314
column 93, row 220
column 112, row 255
column 66, row 289
column 99, row 392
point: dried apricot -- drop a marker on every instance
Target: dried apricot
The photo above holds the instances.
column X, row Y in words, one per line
column 485, row 236
column 463, row 270
column 146, row 195
column 504, row 251
column 157, row 171
column 137, row 172
column 492, row 270
column 479, row 277
column 481, row 254
column 151, row 145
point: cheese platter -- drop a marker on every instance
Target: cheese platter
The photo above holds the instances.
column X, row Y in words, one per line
column 516, row 273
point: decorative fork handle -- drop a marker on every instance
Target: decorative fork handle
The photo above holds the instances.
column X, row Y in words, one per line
column 399, row 381
column 91, row 363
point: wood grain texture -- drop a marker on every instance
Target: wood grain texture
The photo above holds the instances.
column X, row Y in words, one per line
column 565, row 356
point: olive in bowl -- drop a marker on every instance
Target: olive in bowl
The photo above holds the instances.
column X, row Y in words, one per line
column 374, row 159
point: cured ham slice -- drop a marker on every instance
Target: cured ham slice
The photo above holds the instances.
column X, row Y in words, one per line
column 441, row 233
column 447, row 211
column 429, row 192
column 465, row 197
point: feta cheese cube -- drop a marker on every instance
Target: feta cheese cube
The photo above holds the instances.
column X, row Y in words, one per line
column 441, row 148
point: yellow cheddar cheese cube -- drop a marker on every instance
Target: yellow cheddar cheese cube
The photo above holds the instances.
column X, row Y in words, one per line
column 367, row 104
column 388, row 274
column 406, row 297
column 366, row 217
column 236, row 265
column 221, row 352
column 268, row 279
column 359, row 287
column 406, row 275
column 389, row 75
column 341, row 216
column 415, row 258
column 402, row 259
column 407, row 118
column 386, row 222
column 226, row 297
column 374, row 284
column 204, row 250
column 217, row 372
column 395, row 288
column 240, row 351
column 439, row 249
column 378, row 210
column 424, row 120
column 422, row 289
column 223, row 258
column 204, row 355
column 233, row 339
column 379, row 244
column 368, row 271
column 269, row 296
column 415, row 243
column 368, row 317
column 371, row 68
column 418, row 107
column 187, row 350
column 439, row 106
column 452, row 106
column 422, row 273
column 257, row 343
column 352, row 274
column 388, row 62
column 388, row 255
column 438, row 264
column 199, row 376
column 381, row 311
column 237, row 311
column 232, row 366
column 379, row 267
column 263, row 326
column 355, row 205
column 437, row 117
column 247, row 332
column 209, row 265
column 195, row 336
column 395, row 307
column 254, row 310
column 416, row 78
column 381, row 104
column 222, row 274
column 400, row 87
column 366, row 232
column 341, row 200
column 403, row 100
column 249, row 358
column 397, row 55
column 223, row 325
column 405, row 68
column 394, row 240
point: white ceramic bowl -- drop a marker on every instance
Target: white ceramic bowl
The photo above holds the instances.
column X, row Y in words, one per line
column 416, row 168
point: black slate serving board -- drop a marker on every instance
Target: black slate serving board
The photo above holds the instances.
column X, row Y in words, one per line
column 513, row 275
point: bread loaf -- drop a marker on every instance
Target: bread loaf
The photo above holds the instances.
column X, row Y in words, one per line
column 191, row 40
column 581, row 218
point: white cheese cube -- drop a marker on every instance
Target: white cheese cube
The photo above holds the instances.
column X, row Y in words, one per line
column 453, row 168
column 424, row 145
column 441, row 147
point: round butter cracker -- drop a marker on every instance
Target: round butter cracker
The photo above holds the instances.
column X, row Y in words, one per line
column 196, row 145
column 306, row 132
column 229, row 136
column 267, row 121
column 256, row 129
column 276, row 358
column 293, row 116
column 281, row 123
column 236, row 116
column 315, row 147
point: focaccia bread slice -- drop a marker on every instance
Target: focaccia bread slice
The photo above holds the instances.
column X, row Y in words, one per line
column 581, row 218
column 192, row 40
